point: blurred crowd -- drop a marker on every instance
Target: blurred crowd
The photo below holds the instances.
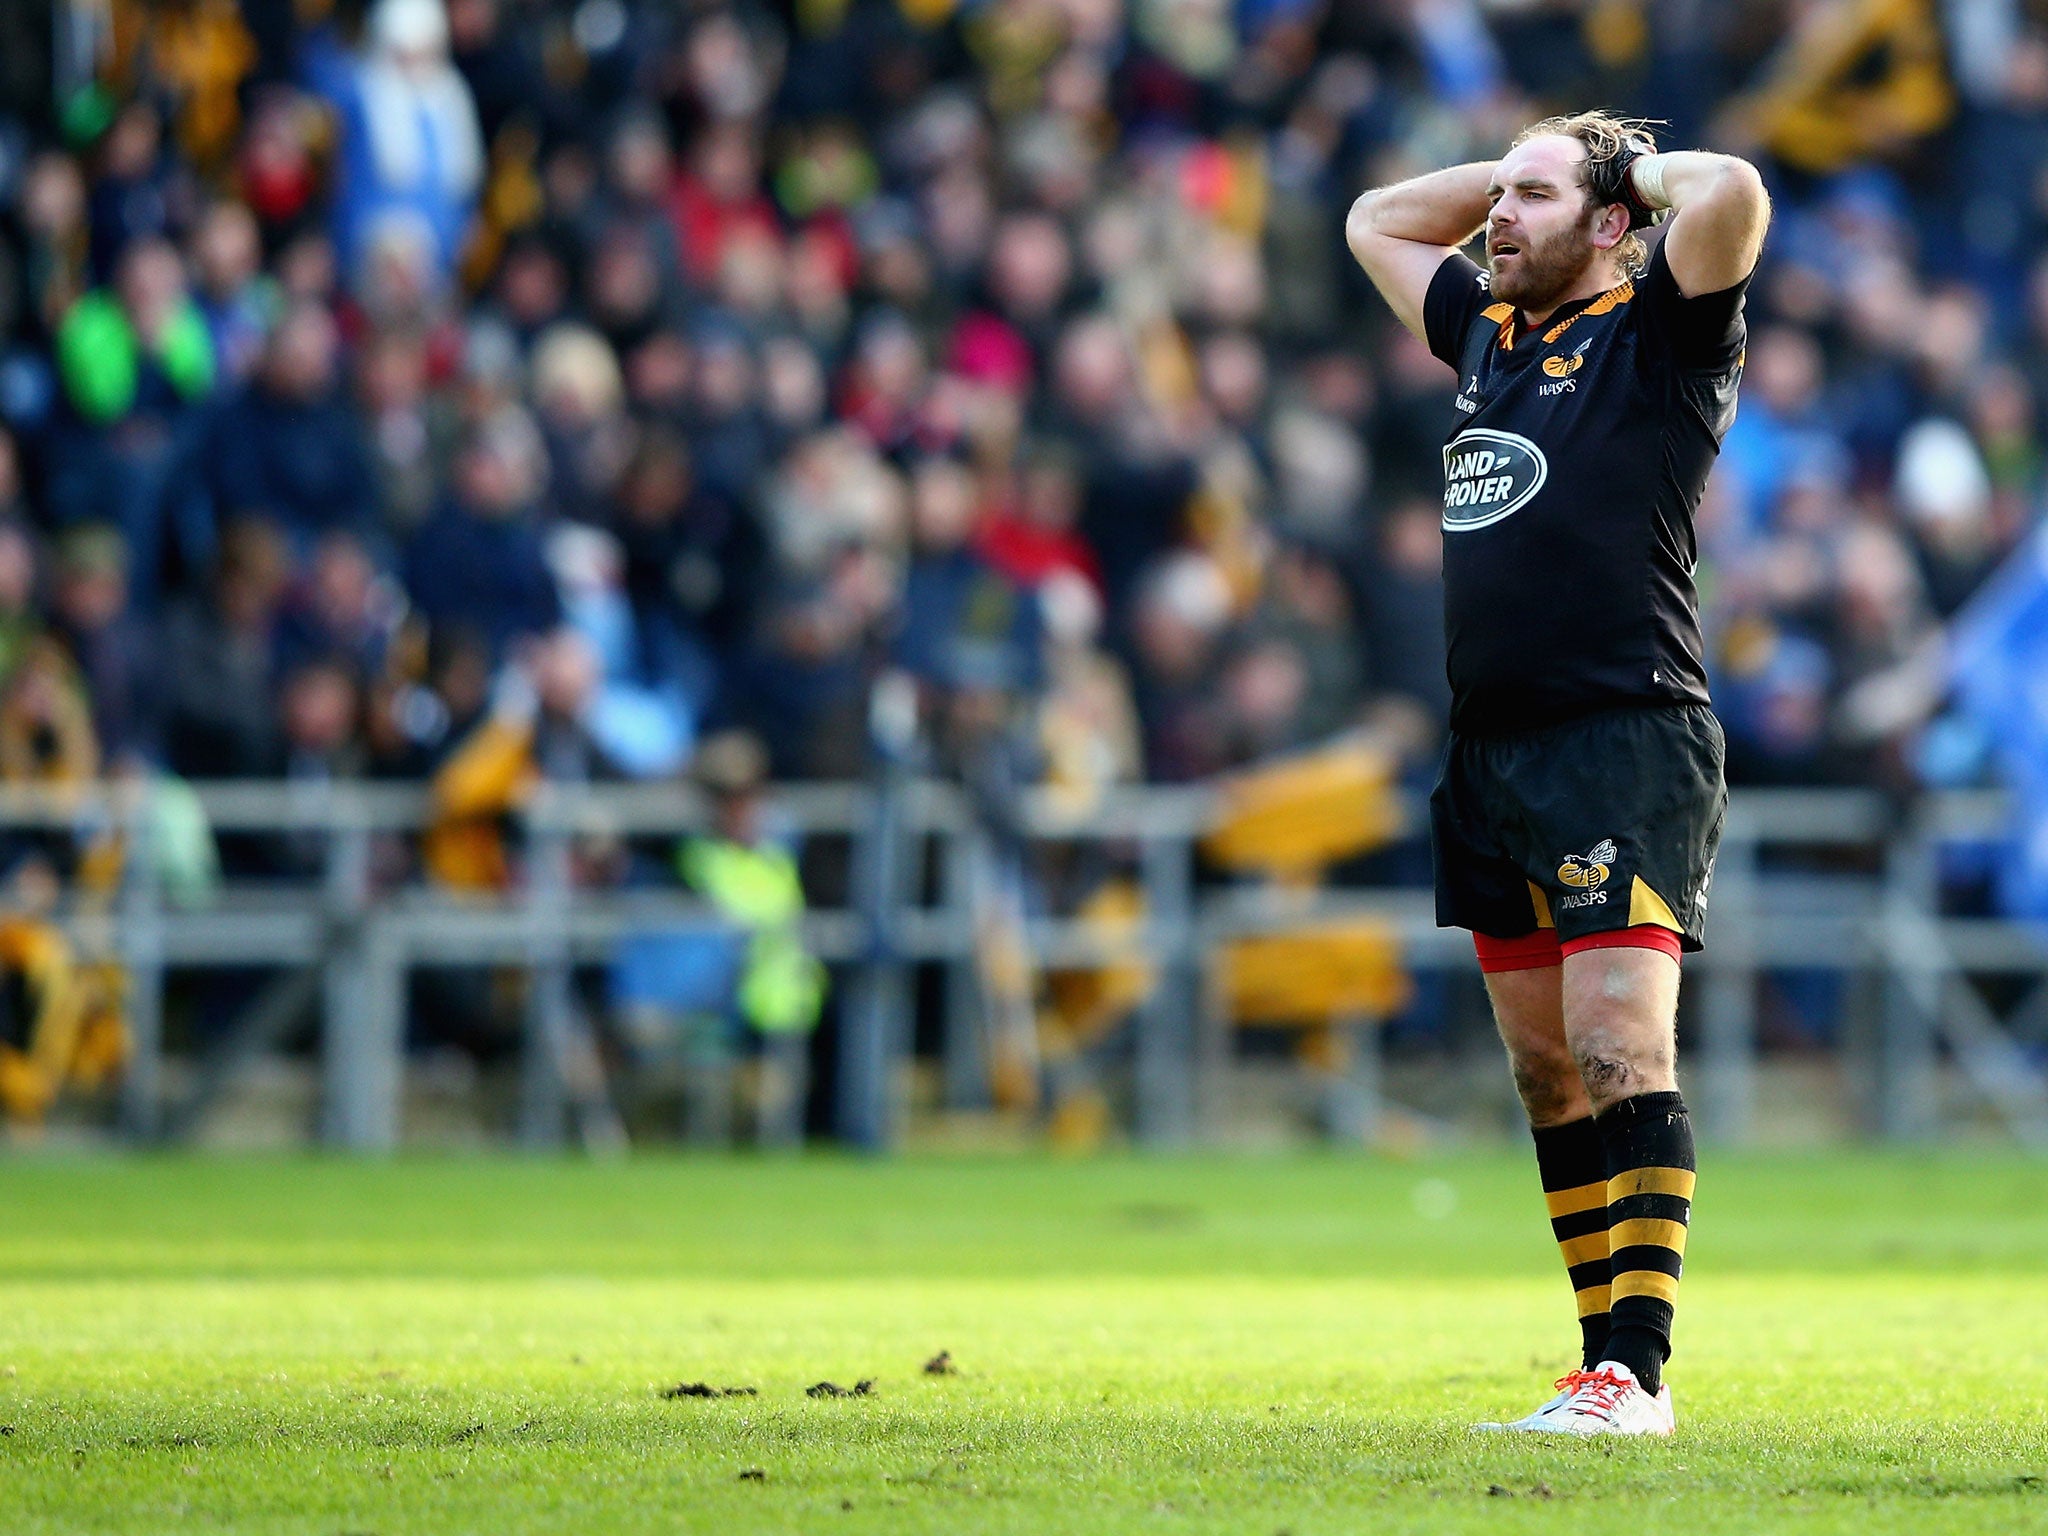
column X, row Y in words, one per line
column 632, row 370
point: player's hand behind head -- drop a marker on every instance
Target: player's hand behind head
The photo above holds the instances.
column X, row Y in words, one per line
column 1607, row 178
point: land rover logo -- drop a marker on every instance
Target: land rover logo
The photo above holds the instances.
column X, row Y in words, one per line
column 1489, row 475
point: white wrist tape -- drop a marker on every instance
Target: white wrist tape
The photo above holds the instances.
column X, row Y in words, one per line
column 1649, row 180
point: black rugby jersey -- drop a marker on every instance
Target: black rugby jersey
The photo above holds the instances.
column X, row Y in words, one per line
column 1571, row 475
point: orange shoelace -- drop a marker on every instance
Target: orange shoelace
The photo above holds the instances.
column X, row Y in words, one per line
column 1604, row 1389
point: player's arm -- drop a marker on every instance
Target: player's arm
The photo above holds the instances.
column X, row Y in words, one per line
column 1719, row 211
column 1401, row 234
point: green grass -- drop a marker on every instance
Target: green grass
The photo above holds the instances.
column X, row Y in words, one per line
column 1199, row 1345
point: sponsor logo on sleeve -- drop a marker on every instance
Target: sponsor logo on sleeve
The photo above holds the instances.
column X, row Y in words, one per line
column 1489, row 475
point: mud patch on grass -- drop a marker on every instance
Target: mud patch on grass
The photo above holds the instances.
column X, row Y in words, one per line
column 865, row 1387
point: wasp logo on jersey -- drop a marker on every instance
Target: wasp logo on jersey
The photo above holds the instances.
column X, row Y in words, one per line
column 1561, row 368
column 1589, row 870
column 1489, row 475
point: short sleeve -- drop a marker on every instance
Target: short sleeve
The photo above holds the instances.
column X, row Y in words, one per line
column 1705, row 333
column 1457, row 293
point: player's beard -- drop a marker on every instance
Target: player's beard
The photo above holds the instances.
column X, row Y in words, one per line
column 1546, row 270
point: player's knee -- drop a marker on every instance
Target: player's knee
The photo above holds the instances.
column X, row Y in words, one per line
column 1609, row 1077
column 1617, row 1064
column 1548, row 1083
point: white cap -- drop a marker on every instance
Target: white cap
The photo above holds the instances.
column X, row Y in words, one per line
column 1073, row 611
column 410, row 26
column 584, row 559
column 1941, row 476
column 1191, row 587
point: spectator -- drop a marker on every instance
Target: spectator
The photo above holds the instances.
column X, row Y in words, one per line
column 116, row 652
column 20, row 623
column 729, row 440
column 503, row 67
column 319, row 741
column 343, row 610
column 479, row 562
column 48, row 243
column 717, row 198
column 137, row 365
column 318, row 704
column 411, row 727
column 1087, row 723
column 580, row 398
column 1183, row 609
column 236, row 299
column 691, row 562
column 642, row 719
column 1403, row 600
column 221, row 661
column 965, row 624
column 411, row 152
column 1305, row 614
column 1137, row 484
column 532, row 290
column 1035, row 536
column 46, row 733
column 638, row 173
column 289, row 448
column 410, row 429
column 690, row 997
column 277, row 169
column 536, row 729
column 1945, row 492
column 133, row 196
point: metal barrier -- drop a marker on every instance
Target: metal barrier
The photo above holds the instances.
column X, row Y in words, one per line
column 350, row 946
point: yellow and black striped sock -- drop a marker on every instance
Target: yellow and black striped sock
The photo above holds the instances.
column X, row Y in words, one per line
column 1572, row 1162
column 1649, row 1201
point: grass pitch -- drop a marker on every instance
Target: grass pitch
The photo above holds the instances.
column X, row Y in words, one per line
column 1184, row 1345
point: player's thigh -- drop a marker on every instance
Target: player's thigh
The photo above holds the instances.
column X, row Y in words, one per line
column 1620, row 1018
column 1528, row 1011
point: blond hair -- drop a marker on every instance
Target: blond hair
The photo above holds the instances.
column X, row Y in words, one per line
column 1607, row 138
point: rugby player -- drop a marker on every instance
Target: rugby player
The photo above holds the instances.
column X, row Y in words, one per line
column 1580, row 804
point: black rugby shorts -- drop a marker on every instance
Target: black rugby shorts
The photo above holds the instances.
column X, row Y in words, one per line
column 1604, row 822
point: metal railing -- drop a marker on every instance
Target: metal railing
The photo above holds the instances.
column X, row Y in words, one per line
column 341, row 941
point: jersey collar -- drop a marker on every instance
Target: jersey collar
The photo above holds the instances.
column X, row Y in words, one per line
column 1563, row 318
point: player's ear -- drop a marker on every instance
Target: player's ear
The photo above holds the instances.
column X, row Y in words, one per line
column 1610, row 227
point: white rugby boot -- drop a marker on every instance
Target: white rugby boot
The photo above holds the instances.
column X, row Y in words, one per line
column 1528, row 1421
column 1608, row 1401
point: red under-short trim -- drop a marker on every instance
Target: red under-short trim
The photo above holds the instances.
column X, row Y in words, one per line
column 1642, row 936
column 1529, row 952
column 1533, row 951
